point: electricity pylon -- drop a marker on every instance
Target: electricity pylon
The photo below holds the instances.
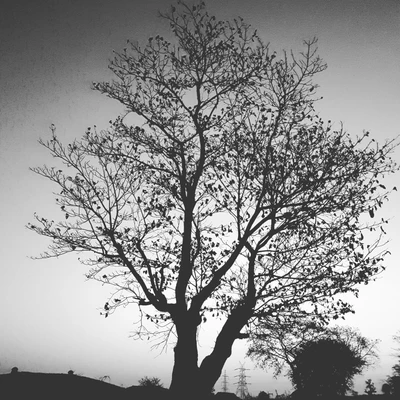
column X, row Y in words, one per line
column 225, row 382
column 242, row 390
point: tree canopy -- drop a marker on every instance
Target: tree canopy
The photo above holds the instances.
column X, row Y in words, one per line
column 275, row 346
column 220, row 193
column 325, row 367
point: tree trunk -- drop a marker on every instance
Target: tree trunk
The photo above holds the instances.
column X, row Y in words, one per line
column 185, row 373
column 212, row 365
column 190, row 381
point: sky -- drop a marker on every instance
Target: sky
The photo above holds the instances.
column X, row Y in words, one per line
column 50, row 52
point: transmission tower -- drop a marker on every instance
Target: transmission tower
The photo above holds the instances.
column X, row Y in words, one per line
column 242, row 390
column 224, row 382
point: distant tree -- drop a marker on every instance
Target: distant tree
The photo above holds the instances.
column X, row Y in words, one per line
column 386, row 389
column 263, row 396
column 150, row 382
column 393, row 381
column 275, row 345
column 324, row 367
column 394, row 384
column 396, row 367
column 370, row 388
column 220, row 194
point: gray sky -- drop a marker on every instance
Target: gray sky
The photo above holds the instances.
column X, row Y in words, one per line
column 50, row 53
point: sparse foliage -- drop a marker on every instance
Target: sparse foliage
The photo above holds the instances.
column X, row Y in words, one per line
column 370, row 388
column 324, row 367
column 150, row 382
column 392, row 384
column 221, row 193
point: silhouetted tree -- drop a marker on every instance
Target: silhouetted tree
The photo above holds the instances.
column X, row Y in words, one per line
column 274, row 345
column 393, row 381
column 396, row 367
column 263, row 396
column 150, row 382
column 370, row 388
column 220, row 194
column 386, row 389
column 324, row 367
column 394, row 384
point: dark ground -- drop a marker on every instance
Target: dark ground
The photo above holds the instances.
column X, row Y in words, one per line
column 29, row 385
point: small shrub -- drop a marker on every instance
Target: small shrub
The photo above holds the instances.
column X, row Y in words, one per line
column 150, row 382
column 370, row 388
column 386, row 389
column 263, row 396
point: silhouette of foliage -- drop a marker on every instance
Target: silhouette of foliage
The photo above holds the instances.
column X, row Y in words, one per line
column 275, row 346
column 152, row 382
column 325, row 367
column 263, row 396
column 370, row 388
column 392, row 384
column 220, row 194
column 386, row 389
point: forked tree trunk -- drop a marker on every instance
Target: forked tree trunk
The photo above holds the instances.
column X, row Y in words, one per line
column 191, row 381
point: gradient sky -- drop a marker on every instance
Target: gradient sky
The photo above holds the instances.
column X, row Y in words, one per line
column 50, row 53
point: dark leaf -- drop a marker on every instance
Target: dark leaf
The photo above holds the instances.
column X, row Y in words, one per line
column 371, row 213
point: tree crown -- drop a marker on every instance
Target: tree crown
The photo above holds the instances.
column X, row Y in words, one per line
column 227, row 191
column 325, row 367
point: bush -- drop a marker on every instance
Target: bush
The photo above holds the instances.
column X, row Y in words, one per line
column 150, row 382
